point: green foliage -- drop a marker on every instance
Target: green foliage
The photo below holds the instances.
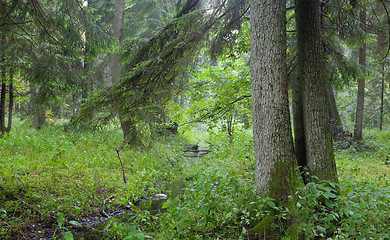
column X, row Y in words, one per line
column 211, row 207
column 120, row 230
column 360, row 212
column 49, row 171
column 357, row 208
column 221, row 94
column 152, row 70
column 150, row 75
column 65, row 175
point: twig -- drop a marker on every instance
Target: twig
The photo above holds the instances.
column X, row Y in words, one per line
column 123, row 169
column 103, row 212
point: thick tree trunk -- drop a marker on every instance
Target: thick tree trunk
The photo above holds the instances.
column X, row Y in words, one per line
column 319, row 149
column 275, row 163
column 358, row 131
column 130, row 134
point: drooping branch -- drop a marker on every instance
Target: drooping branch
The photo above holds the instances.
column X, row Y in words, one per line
column 152, row 70
column 220, row 109
column 150, row 73
column 388, row 25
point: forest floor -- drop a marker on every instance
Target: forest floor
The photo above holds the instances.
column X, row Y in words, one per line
column 56, row 180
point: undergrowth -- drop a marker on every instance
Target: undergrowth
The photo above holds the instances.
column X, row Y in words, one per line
column 51, row 173
column 220, row 203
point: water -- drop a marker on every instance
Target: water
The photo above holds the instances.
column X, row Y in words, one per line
column 93, row 227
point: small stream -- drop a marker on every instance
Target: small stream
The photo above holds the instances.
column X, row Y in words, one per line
column 92, row 227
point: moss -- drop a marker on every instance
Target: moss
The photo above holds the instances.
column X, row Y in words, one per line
column 264, row 227
column 283, row 183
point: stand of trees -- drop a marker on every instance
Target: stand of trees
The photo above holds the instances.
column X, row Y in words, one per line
column 98, row 61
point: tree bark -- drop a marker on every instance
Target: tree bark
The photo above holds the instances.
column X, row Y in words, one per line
column 2, row 103
column 275, row 162
column 37, row 112
column 128, row 127
column 358, row 131
column 116, row 67
column 11, row 99
column 3, row 87
column 382, row 100
column 318, row 140
column 299, row 128
column 335, row 119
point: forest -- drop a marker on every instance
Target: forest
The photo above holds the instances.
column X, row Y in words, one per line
column 195, row 119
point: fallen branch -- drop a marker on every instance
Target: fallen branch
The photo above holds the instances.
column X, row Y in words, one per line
column 103, row 212
column 123, row 169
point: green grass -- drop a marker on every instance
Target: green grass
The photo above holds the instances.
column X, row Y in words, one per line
column 52, row 174
column 50, row 171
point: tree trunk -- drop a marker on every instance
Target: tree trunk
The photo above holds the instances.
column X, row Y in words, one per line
column 37, row 112
column 3, row 87
column 358, row 131
column 11, row 99
column 275, row 163
column 335, row 119
column 299, row 129
column 116, row 67
column 128, row 127
column 382, row 93
column 318, row 140
column 85, row 64
column 2, row 103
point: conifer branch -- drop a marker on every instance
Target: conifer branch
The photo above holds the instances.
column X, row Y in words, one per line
column 388, row 25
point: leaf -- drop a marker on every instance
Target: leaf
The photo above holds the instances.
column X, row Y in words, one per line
column 68, row 236
column 272, row 205
column 75, row 223
column 165, row 205
column 329, row 203
column 228, row 215
column 321, row 229
column 328, row 195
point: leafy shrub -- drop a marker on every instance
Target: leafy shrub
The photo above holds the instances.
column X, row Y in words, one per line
column 360, row 212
